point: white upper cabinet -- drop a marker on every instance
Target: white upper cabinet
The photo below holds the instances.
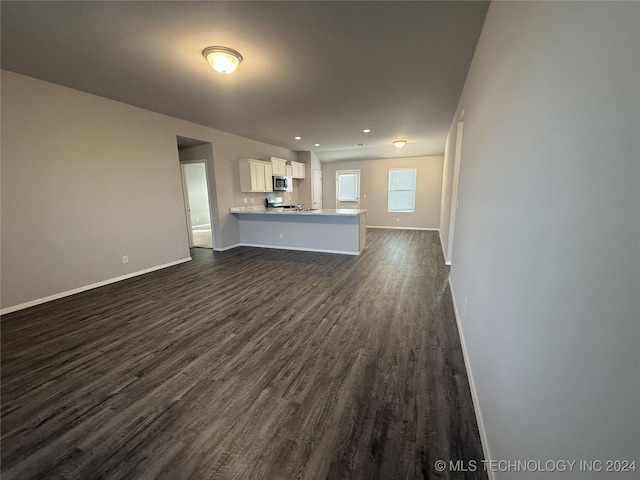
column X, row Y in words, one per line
column 289, row 171
column 279, row 166
column 299, row 169
column 255, row 176
column 268, row 177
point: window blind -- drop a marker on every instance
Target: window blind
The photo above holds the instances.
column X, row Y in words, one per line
column 402, row 190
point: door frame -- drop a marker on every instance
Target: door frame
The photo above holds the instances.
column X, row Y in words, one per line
column 185, row 193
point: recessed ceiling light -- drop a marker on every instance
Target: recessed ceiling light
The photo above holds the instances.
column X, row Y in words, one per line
column 298, row 137
column 399, row 143
column 222, row 59
column 316, row 144
column 366, row 130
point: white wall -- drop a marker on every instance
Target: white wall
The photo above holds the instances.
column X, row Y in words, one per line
column 374, row 183
column 86, row 180
column 547, row 241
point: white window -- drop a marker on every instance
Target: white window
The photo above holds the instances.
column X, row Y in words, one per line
column 402, row 189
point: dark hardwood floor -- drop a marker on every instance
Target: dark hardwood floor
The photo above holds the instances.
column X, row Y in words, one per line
column 245, row 364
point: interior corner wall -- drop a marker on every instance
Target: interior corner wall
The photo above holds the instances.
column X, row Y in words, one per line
column 302, row 186
column 546, row 254
column 314, row 165
column 87, row 180
column 374, row 185
column 315, row 162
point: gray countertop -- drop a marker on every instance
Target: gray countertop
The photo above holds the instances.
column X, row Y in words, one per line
column 352, row 212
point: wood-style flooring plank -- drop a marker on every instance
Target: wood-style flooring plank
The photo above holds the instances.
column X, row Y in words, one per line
column 250, row 363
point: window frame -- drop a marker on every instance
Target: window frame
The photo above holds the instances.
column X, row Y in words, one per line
column 389, row 190
column 356, row 198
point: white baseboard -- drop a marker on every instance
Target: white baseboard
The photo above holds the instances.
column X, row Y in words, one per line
column 319, row 250
column 472, row 385
column 405, row 228
column 56, row 296
column 224, row 249
column 444, row 250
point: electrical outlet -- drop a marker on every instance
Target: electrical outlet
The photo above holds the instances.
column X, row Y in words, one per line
column 464, row 305
column 397, row 219
column 125, row 259
column 281, row 235
column 252, row 199
column 245, row 200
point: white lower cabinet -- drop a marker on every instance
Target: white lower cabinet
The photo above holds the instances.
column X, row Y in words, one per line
column 255, row 176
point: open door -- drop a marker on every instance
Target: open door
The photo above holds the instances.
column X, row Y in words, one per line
column 196, row 199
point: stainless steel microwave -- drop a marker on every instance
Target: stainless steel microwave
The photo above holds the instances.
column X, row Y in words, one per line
column 280, row 183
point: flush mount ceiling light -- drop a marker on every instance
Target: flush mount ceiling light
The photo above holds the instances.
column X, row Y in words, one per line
column 316, row 144
column 297, row 137
column 366, row 130
column 399, row 143
column 222, row 59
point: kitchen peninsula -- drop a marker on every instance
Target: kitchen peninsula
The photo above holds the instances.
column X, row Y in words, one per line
column 324, row 230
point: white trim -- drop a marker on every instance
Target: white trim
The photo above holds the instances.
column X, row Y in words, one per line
column 454, row 191
column 472, row 385
column 302, row 249
column 405, row 228
column 56, row 296
column 224, row 249
column 444, row 250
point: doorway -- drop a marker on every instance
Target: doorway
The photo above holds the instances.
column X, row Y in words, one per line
column 196, row 200
column 348, row 189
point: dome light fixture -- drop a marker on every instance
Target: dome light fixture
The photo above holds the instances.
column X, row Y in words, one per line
column 222, row 59
column 399, row 143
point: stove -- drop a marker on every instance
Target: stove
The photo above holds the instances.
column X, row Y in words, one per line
column 276, row 202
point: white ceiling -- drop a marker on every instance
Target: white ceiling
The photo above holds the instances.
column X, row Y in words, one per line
column 322, row 70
